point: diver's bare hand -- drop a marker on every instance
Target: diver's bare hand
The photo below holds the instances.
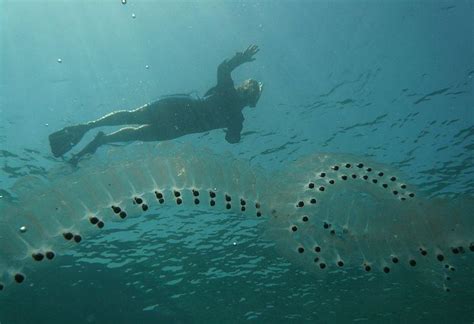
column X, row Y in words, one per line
column 247, row 55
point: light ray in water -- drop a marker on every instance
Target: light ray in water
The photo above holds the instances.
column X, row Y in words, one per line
column 325, row 212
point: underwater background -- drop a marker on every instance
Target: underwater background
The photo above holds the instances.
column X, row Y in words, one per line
column 387, row 80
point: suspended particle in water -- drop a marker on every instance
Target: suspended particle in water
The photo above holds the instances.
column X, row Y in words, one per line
column 59, row 60
column 147, row 66
column 23, row 229
column 134, row 16
column 124, row 2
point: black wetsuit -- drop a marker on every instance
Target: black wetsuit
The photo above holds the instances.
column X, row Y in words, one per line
column 221, row 107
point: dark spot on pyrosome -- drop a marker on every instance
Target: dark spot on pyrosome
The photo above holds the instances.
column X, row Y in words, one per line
column 242, row 208
column 116, row 209
column 259, row 214
column 158, row 195
column 68, row 236
column 374, row 180
column 138, row 200
column 440, row 257
column 471, row 247
column 212, row 202
column 227, row 206
column 455, row 250
column 340, row 263
column 380, row 174
column 94, row 220
column 294, row 228
column 403, row 186
column 311, row 185
column 313, row 201
column 367, row 268
column 243, row 202
column 385, row 185
column 144, row 207
column 179, row 201
column 196, row 201
column 335, row 168
column 19, row 278
column 395, row 192
column 1, row 286
column 257, row 205
column 369, row 169
column 326, row 225
column 348, row 165
column 330, row 182
column 37, row 256
column 354, row 176
column 161, row 201
column 386, row 269
column 322, row 174
column 316, row 259
column 344, row 177
column 100, row 224
column 177, row 193
column 333, row 232
column 195, row 193
column 321, row 188
column 123, row 214
column 360, row 165
column 365, row 177
column 300, row 249
column 227, row 197
column 394, row 259
column 305, row 218
column 50, row 255
column 300, row 203
column 412, row 262
column 411, row 195
column 317, row 249
column 212, row 194
column 393, row 179
column 322, row 265
column 77, row 238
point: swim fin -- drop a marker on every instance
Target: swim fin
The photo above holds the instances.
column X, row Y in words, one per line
column 64, row 140
column 89, row 149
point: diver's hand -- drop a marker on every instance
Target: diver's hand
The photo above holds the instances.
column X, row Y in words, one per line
column 247, row 55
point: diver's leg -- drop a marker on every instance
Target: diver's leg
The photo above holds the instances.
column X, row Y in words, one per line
column 128, row 134
column 64, row 140
column 139, row 116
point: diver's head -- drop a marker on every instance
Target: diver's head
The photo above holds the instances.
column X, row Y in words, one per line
column 250, row 91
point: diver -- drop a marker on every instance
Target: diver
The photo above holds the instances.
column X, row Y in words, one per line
column 172, row 116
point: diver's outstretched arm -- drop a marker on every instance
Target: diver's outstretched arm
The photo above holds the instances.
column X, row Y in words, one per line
column 226, row 67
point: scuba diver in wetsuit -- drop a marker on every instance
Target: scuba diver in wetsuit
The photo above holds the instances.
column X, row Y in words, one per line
column 172, row 116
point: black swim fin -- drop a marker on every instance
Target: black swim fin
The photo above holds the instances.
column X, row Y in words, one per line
column 64, row 140
column 89, row 149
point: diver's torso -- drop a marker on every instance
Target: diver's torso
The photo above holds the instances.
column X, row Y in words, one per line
column 189, row 114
